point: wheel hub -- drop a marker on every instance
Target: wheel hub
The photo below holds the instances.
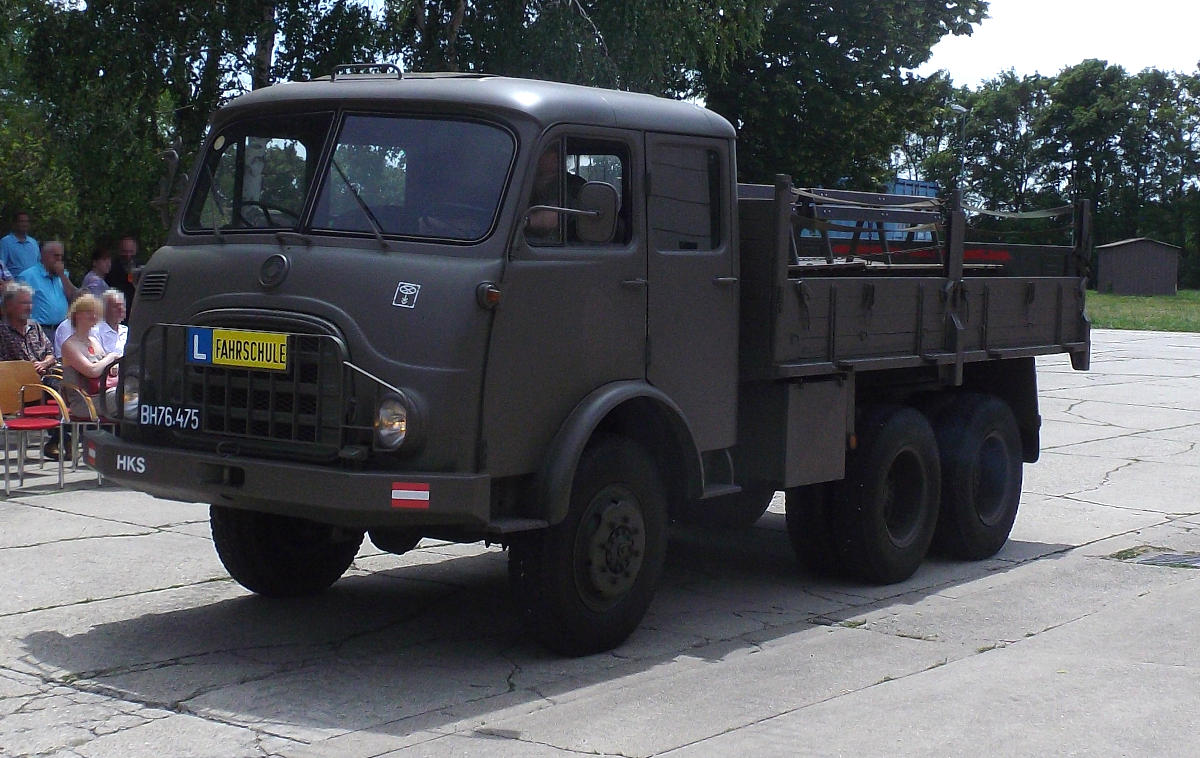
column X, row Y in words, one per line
column 616, row 544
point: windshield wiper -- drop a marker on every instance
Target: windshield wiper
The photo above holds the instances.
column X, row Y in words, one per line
column 374, row 222
column 215, row 194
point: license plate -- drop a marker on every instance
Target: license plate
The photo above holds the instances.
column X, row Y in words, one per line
column 169, row 416
column 237, row 348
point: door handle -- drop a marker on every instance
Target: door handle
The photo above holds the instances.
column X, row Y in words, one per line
column 725, row 280
column 633, row 283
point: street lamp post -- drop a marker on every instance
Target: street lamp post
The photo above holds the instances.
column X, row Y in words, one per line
column 962, row 142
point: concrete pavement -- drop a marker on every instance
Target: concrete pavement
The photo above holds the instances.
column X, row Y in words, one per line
column 121, row 634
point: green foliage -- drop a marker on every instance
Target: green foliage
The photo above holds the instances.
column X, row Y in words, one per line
column 641, row 45
column 94, row 95
column 33, row 179
column 825, row 96
column 1129, row 143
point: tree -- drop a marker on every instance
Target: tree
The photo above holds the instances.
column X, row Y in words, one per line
column 123, row 83
column 642, row 45
column 827, row 95
column 1089, row 106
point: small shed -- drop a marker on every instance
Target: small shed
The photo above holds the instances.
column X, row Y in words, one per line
column 1139, row 266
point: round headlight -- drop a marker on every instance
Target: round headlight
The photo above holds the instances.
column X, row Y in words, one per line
column 391, row 422
column 129, row 400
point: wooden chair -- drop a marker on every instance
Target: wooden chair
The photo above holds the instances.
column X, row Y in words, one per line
column 19, row 381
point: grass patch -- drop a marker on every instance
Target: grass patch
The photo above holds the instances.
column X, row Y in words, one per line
column 1130, row 553
column 1156, row 313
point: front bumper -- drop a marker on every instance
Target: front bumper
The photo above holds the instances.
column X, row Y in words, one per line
column 351, row 498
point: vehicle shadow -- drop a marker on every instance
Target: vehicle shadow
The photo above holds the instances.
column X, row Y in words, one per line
column 432, row 638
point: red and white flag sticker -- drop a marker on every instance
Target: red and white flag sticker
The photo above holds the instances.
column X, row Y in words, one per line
column 91, row 454
column 410, row 495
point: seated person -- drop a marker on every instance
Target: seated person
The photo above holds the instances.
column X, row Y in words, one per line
column 543, row 226
column 86, row 365
column 21, row 338
column 111, row 332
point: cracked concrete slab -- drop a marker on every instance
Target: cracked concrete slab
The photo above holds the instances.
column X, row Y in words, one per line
column 1074, row 522
column 112, row 503
column 121, row 634
column 68, row 569
column 1090, row 687
column 25, row 526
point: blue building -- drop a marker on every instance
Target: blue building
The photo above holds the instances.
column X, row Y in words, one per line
column 897, row 186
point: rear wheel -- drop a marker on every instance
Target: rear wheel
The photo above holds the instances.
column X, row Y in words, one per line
column 980, row 448
column 281, row 556
column 584, row 584
column 891, row 492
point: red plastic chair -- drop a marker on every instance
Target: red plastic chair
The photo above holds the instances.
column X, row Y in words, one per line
column 18, row 379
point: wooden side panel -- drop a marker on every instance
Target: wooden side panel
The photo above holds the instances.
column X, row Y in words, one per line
column 837, row 319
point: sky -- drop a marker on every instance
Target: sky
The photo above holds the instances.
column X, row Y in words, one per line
column 1045, row 36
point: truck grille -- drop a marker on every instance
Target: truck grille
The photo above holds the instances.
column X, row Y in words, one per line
column 303, row 405
column 304, row 412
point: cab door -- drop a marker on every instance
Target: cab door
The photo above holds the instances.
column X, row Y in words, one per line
column 572, row 314
column 693, row 277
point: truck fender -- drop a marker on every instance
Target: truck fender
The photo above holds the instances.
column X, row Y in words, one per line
column 553, row 487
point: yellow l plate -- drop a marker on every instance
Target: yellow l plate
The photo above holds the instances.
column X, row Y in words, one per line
column 262, row 350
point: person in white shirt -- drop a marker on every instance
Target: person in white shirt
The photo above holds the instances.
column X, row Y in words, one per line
column 111, row 332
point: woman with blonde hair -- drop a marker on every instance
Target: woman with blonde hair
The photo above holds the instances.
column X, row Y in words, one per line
column 85, row 364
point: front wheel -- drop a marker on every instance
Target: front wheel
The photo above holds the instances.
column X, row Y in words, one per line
column 281, row 556
column 584, row 584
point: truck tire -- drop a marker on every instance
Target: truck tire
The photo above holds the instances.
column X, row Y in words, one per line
column 281, row 556
column 584, row 584
column 810, row 528
column 738, row 511
column 394, row 541
column 980, row 448
column 889, row 499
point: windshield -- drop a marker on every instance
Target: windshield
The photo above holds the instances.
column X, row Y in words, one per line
column 257, row 174
column 386, row 175
column 415, row 177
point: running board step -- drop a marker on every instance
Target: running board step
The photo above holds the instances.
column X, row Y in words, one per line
column 717, row 490
column 513, row 525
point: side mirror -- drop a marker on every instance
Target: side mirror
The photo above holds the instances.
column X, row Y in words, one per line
column 601, row 202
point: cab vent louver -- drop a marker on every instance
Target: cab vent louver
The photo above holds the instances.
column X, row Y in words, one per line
column 153, row 285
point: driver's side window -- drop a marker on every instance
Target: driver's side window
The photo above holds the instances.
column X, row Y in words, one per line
column 563, row 167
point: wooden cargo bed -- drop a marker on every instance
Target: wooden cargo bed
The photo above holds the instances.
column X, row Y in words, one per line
column 805, row 316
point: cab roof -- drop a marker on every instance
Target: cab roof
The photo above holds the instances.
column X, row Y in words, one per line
column 544, row 102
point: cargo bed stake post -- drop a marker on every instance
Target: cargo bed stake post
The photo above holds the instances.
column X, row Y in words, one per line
column 954, row 285
column 784, row 199
column 1082, row 239
column 1081, row 360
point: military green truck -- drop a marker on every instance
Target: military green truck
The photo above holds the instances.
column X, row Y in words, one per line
column 547, row 317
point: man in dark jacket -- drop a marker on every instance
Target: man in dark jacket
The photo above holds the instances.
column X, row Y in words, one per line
column 124, row 271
